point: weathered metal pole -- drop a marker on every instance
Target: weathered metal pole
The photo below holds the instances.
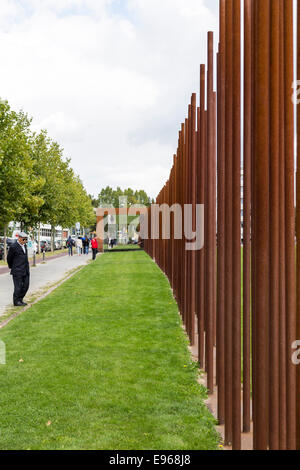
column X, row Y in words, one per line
column 182, row 284
column 220, row 350
column 247, row 216
column 215, row 217
column 202, row 201
column 253, row 228
column 228, row 222
column 282, row 264
column 210, row 222
column 298, row 228
column 188, row 201
column 199, row 252
column 236, row 228
column 221, row 220
column 261, row 218
column 185, row 289
column 274, row 229
column 290, row 222
column 193, row 201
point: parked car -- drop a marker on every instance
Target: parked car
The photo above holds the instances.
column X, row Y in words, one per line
column 45, row 245
column 58, row 245
column 10, row 241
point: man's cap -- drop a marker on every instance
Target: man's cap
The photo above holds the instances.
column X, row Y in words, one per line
column 23, row 235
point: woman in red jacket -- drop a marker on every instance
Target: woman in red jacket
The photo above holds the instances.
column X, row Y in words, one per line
column 94, row 244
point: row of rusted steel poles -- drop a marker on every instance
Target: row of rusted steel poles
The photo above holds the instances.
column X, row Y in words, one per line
column 239, row 296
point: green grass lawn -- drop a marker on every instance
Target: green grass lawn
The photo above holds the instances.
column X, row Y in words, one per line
column 123, row 247
column 103, row 363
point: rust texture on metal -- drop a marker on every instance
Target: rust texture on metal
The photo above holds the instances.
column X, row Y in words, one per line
column 246, row 219
column 290, row 222
column 236, row 227
column 209, row 222
column 298, row 231
column 239, row 295
column 228, row 222
column 274, row 229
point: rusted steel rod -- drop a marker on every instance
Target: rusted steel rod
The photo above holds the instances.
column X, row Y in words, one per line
column 188, row 201
column 181, row 198
column 198, row 280
column 274, row 228
column 221, row 220
column 236, row 229
column 253, row 228
column 261, row 217
column 214, row 215
column 247, row 216
column 298, row 230
column 202, row 201
column 193, row 201
column 184, row 201
column 290, row 223
column 210, row 221
column 282, row 263
column 228, row 221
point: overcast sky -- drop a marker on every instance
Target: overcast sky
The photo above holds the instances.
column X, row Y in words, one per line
column 109, row 79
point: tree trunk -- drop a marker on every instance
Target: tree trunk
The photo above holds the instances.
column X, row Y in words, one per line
column 39, row 238
column 52, row 238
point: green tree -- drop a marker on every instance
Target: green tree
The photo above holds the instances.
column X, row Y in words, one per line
column 94, row 201
column 110, row 197
column 37, row 184
column 18, row 182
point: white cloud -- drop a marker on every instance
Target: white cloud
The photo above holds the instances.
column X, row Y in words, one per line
column 109, row 79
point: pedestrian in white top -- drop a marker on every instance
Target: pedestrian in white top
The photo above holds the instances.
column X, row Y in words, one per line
column 79, row 246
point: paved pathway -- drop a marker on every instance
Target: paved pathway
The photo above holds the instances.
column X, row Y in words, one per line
column 42, row 275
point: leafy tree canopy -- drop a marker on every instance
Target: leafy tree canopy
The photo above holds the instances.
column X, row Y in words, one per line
column 37, row 185
column 111, row 197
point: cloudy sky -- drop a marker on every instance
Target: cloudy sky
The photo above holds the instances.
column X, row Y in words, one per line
column 109, row 79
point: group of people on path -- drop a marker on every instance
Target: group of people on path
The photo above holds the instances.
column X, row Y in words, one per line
column 17, row 260
column 82, row 245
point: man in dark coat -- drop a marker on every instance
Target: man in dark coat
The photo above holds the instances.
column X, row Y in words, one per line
column 17, row 260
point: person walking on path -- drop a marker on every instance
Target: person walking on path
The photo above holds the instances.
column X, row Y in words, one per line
column 17, row 260
column 83, row 244
column 94, row 247
column 79, row 246
column 70, row 244
column 87, row 245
